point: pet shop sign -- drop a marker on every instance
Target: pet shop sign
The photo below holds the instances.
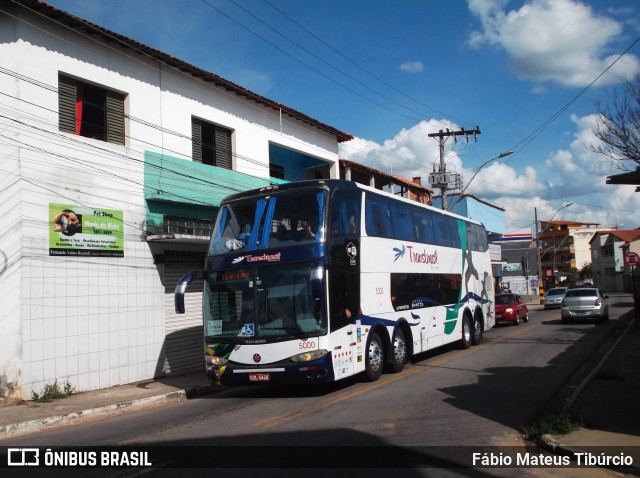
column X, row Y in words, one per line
column 85, row 231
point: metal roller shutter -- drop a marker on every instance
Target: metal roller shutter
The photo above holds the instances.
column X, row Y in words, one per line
column 183, row 340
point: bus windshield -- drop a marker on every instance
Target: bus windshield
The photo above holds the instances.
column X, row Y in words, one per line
column 273, row 221
column 270, row 301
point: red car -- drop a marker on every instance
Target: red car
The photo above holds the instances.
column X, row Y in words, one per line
column 511, row 308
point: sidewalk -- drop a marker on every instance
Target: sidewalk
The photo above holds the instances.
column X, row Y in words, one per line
column 29, row 416
column 605, row 391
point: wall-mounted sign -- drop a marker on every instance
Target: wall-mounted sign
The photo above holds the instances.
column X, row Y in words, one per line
column 85, row 231
column 512, row 267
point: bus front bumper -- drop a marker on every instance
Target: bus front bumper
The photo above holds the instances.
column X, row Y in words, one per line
column 233, row 374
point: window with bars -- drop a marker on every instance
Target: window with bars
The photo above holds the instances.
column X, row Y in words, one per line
column 211, row 144
column 182, row 225
column 90, row 110
column 171, row 255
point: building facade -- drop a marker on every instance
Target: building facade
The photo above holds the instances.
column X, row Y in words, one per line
column 114, row 159
column 608, row 249
column 562, row 249
column 519, row 266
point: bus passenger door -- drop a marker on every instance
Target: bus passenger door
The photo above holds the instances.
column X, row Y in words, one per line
column 344, row 298
column 344, row 281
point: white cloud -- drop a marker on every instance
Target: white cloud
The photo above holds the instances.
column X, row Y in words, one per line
column 500, row 179
column 578, row 170
column 412, row 66
column 411, row 153
column 553, row 40
column 577, row 174
column 572, row 174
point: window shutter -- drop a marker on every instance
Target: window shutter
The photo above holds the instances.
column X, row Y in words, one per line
column 196, row 140
column 115, row 118
column 66, row 104
column 223, row 148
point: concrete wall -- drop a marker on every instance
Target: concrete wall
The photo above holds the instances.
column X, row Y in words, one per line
column 95, row 322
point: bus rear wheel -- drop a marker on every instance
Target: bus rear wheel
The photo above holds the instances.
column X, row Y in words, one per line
column 399, row 352
column 374, row 361
column 465, row 342
column 476, row 337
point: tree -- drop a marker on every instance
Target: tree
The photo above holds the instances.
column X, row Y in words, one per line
column 618, row 125
column 586, row 272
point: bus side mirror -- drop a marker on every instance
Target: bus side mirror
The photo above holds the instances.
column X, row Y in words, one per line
column 181, row 288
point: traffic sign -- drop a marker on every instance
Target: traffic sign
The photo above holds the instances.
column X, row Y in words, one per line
column 631, row 259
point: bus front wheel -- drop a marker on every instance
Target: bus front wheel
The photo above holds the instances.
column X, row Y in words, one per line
column 374, row 362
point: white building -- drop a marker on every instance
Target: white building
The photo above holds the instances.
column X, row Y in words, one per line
column 582, row 244
column 113, row 158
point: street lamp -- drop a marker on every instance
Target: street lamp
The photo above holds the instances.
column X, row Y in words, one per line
column 501, row 155
column 538, row 247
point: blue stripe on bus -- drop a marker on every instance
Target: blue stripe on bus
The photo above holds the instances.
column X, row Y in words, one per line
column 369, row 320
column 474, row 296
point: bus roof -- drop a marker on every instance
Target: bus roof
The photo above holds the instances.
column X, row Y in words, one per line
column 332, row 183
column 307, row 183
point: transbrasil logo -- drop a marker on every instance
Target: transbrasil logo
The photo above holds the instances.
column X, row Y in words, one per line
column 399, row 252
column 423, row 257
column 262, row 258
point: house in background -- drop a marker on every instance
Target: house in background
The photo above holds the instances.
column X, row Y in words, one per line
column 411, row 189
column 562, row 249
column 115, row 159
column 608, row 249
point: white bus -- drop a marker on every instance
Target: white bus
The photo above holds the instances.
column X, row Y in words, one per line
column 315, row 281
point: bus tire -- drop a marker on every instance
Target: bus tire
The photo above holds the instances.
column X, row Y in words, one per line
column 399, row 352
column 374, row 360
column 465, row 342
column 476, row 336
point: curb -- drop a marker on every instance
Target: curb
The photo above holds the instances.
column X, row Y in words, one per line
column 553, row 443
column 50, row 422
column 566, row 395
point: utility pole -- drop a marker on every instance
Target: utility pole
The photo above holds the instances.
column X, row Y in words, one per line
column 441, row 179
column 540, row 283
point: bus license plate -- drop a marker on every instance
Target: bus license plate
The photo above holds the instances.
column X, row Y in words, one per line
column 259, row 377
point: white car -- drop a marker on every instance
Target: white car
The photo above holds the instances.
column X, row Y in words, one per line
column 553, row 297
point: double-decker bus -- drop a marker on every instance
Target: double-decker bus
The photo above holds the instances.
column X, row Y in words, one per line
column 315, row 281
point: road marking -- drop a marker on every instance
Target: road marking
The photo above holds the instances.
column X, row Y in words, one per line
column 386, row 379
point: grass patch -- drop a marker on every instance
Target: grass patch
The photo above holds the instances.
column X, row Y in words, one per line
column 555, row 423
column 51, row 391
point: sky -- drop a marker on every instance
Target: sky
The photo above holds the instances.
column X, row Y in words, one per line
column 527, row 73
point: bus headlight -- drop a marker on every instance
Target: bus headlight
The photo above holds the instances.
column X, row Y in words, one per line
column 217, row 361
column 309, row 356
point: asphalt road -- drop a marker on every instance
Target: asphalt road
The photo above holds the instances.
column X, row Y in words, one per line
column 450, row 402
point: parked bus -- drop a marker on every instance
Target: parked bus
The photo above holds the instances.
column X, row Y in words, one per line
column 315, row 281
